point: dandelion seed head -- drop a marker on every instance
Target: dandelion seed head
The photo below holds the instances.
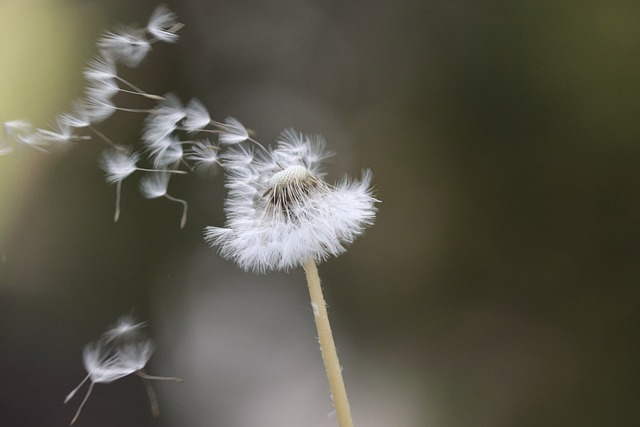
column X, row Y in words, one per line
column 289, row 176
column 280, row 212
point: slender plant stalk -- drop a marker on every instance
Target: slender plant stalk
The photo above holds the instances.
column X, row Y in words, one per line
column 328, row 346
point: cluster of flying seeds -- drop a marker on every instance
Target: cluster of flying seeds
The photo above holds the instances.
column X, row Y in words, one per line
column 175, row 139
column 122, row 350
column 282, row 186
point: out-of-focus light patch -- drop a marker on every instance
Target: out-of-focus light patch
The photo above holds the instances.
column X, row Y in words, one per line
column 247, row 350
column 38, row 77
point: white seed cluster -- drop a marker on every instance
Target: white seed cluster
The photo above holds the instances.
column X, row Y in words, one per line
column 290, row 175
column 280, row 211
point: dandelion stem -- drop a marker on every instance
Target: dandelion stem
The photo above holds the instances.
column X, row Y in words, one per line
column 327, row 346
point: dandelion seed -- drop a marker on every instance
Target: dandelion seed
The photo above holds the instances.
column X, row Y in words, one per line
column 12, row 129
column 155, row 185
column 168, row 153
column 232, row 132
column 163, row 25
column 196, row 116
column 98, row 109
column 78, row 117
column 100, row 69
column 126, row 326
column 134, row 355
column 297, row 217
column 163, row 120
column 122, row 350
column 204, row 154
column 102, row 90
column 127, row 45
column 118, row 165
column 24, row 133
column 60, row 133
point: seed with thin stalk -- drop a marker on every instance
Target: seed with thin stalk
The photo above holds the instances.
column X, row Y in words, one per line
column 121, row 351
column 118, row 165
column 155, row 185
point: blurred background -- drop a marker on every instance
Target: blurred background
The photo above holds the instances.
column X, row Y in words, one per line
column 498, row 287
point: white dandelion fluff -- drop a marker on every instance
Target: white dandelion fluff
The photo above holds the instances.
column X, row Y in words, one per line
column 77, row 117
column 155, row 185
column 163, row 25
column 204, row 155
column 232, row 132
column 196, row 116
column 118, row 165
column 100, row 69
column 163, row 120
column 125, row 327
column 128, row 46
column 280, row 212
column 122, row 350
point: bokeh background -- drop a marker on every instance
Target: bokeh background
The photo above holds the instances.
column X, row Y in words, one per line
column 498, row 287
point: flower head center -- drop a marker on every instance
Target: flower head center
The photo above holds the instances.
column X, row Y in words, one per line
column 290, row 176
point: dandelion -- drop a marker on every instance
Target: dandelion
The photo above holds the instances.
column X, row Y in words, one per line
column 60, row 133
column 126, row 326
column 298, row 216
column 281, row 214
column 163, row 25
column 128, row 46
column 98, row 109
column 121, row 351
column 163, row 120
column 232, row 132
column 77, row 117
column 204, row 154
column 119, row 163
column 155, row 185
column 100, row 69
column 196, row 116
column 21, row 132
column 167, row 152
